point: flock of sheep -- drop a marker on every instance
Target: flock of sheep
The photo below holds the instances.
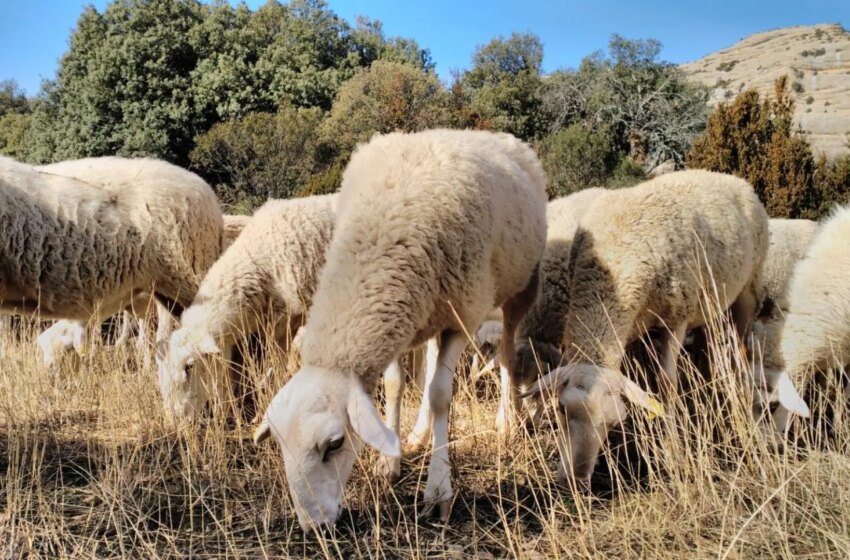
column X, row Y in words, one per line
column 432, row 235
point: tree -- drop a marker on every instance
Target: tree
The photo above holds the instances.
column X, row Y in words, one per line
column 651, row 110
column 503, row 85
column 146, row 77
column 754, row 138
column 14, row 133
column 262, row 156
column 576, row 158
column 386, row 97
column 12, row 98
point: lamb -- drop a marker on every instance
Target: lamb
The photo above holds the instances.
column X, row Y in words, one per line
column 434, row 230
column 79, row 239
column 233, row 226
column 816, row 335
column 59, row 339
column 641, row 259
column 789, row 240
column 270, row 272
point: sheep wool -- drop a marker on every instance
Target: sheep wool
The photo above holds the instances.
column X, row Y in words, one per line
column 80, row 238
column 817, row 327
column 434, row 230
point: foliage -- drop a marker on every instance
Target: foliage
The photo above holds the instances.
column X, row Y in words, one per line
column 262, row 156
column 575, row 158
column 386, row 97
column 650, row 109
column 503, row 86
column 12, row 98
column 146, row 77
column 14, row 129
column 754, row 138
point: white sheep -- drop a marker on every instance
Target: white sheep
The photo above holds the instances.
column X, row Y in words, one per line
column 268, row 274
column 233, row 226
column 62, row 339
column 541, row 333
column 434, row 230
column 81, row 238
column 643, row 258
column 789, row 241
column 816, row 334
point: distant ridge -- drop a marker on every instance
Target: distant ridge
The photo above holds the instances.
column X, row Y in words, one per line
column 816, row 59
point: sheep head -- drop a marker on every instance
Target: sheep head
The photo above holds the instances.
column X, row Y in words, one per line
column 321, row 419
column 590, row 403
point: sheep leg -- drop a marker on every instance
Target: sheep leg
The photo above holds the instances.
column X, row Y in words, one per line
column 671, row 348
column 422, row 429
column 390, row 467
column 513, row 312
column 438, row 489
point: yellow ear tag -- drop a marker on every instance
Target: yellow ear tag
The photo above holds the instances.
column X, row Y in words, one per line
column 82, row 350
column 655, row 409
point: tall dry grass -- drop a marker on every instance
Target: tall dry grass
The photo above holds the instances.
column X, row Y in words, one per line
column 90, row 467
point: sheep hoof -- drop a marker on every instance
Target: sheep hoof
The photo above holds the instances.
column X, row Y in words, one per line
column 444, row 509
column 415, row 441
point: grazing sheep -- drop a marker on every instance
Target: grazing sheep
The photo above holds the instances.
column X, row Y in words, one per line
column 233, row 226
column 641, row 259
column 540, row 335
column 269, row 273
column 79, row 239
column 789, row 241
column 61, row 338
column 434, row 230
column 816, row 335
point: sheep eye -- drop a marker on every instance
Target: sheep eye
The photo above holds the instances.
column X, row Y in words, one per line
column 773, row 407
column 333, row 446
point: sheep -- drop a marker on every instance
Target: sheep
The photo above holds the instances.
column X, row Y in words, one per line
column 233, row 226
column 816, row 334
column 60, row 338
column 641, row 259
column 434, row 230
column 269, row 272
column 789, row 240
column 541, row 333
column 79, row 239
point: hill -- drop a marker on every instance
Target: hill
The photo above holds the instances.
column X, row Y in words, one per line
column 817, row 62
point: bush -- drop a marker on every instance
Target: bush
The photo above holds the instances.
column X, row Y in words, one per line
column 264, row 155
column 754, row 139
column 797, row 87
column 386, row 97
column 14, row 134
column 575, row 158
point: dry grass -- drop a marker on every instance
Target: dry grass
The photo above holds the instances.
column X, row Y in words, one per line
column 89, row 467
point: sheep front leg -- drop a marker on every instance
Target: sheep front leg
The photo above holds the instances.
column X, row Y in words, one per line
column 671, row 348
column 438, row 489
column 422, row 429
column 390, row 467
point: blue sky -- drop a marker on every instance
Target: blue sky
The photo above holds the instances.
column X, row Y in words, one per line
column 34, row 33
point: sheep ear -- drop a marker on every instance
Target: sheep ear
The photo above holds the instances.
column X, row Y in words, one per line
column 789, row 397
column 263, row 431
column 207, row 345
column 368, row 426
column 550, row 382
column 638, row 396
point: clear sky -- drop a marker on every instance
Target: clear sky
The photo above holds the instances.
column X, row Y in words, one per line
column 34, row 33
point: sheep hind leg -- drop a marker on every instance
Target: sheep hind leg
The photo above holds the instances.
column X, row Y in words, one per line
column 390, row 467
column 438, row 489
column 421, row 432
column 513, row 311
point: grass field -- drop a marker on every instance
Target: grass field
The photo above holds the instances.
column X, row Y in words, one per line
column 90, row 467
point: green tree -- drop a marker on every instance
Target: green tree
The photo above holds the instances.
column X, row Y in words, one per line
column 262, row 156
column 12, row 98
column 503, row 85
column 386, row 97
column 754, row 138
column 14, row 134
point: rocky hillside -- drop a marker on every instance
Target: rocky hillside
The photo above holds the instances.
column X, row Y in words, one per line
column 817, row 62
